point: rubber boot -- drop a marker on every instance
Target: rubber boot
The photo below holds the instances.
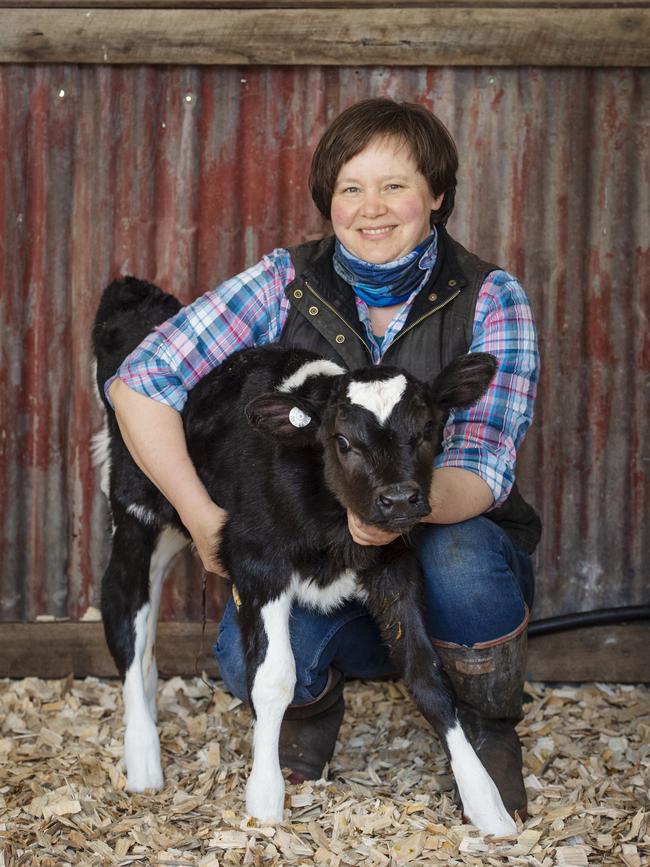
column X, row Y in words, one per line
column 488, row 680
column 309, row 731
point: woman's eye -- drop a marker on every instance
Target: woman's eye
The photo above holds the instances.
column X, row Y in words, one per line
column 427, row 433
column 394, row 186
column 342, row 443
column 351, row 190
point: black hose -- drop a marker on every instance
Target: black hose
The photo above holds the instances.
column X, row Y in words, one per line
column 600, row 617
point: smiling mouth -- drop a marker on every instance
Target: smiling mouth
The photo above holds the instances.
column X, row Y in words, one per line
column 377, row 233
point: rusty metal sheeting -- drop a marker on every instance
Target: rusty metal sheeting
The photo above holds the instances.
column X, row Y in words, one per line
column 185, row 175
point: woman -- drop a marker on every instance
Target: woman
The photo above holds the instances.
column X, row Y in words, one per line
column 389, row 285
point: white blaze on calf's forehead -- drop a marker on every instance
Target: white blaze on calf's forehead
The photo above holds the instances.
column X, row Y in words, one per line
column 318, row 367
column 379, row 396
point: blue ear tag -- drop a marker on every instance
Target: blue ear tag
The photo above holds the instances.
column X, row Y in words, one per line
column 298, row 418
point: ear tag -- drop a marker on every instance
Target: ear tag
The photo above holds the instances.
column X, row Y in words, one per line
column 298, row 418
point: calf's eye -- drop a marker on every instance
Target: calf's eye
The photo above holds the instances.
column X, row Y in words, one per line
column 427, row 433
column 342, row 443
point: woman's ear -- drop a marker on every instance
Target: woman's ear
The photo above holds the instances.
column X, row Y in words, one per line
column 435, row 210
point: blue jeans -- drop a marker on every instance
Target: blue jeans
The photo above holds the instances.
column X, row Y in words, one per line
column 477, row 587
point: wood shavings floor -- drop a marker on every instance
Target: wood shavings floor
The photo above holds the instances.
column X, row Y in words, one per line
column 63, row 798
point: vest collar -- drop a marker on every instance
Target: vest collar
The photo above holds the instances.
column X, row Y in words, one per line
column 320, row 274
column 445, row 282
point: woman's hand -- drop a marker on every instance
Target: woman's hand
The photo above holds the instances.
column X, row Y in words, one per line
column 154, row 435
column 205, row 529
column 366, row 534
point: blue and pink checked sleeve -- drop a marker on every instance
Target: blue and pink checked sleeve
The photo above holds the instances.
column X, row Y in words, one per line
column 485, row 438
column 247, row 310
column 251, row 310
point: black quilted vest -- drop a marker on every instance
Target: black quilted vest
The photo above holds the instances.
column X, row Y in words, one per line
column 323, row 318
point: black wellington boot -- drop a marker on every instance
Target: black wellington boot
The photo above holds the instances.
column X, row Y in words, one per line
column 488, row 680
column 309, row 731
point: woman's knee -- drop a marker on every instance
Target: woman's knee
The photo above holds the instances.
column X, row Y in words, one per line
column 318, row 641
column 231, row 658
column 473, row 581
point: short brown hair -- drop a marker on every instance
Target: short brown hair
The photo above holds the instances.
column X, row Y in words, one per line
column 430, row 142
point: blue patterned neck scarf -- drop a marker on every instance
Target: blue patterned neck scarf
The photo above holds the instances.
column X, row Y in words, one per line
column 387, row 284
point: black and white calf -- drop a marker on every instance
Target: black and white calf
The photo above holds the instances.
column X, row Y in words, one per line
column 285, row 442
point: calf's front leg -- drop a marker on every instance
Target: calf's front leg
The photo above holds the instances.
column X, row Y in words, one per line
column 399, row 614
column 271, row 674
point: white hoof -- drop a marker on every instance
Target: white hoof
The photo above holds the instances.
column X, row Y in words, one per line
column 142, row 757
column 494, row 820
column 484, row 808
column 265, row 797
column 482, row 802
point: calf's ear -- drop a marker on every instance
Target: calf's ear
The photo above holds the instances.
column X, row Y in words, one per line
column 284, row 416
column 463, row 381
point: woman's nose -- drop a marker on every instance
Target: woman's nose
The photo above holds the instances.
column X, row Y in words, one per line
column 372, row 205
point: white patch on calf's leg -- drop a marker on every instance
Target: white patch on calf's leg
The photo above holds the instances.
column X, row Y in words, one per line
column 141, row 744
column 272, row 692
column 482, row 802
column 168, row 544
column 380, row 396
column 150, row 679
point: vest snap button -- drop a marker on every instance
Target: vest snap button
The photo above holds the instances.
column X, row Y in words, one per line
column 313, row 311
column 298, row 294
column 433, row 297
column 452, row 282
column 340, row 338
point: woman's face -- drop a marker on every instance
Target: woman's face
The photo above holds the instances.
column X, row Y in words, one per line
column 381, row 203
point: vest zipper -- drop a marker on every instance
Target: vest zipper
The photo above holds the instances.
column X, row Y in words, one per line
column 417, row 321
column 338, row 315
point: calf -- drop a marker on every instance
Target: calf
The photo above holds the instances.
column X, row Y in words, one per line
column 285, row 442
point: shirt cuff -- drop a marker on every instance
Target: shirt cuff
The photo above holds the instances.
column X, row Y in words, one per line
column 165, row 392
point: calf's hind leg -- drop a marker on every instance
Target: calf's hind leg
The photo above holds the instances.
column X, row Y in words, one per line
column 139, row 558
column 168, row 544
column 271, row 675
column 399, row 615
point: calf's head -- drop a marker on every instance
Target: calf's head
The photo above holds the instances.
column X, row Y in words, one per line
column 379, row 429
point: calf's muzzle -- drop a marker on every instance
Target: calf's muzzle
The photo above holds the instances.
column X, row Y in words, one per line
column 400, row 504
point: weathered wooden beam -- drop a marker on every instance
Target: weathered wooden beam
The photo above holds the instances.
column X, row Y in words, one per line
column 58, row 649
column 468, row 36
column 584, row 5
column 616, row 654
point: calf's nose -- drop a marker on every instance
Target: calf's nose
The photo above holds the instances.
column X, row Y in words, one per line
column 403, row 499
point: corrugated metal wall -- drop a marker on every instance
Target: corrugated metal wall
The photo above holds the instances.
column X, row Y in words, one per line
column 186, row 175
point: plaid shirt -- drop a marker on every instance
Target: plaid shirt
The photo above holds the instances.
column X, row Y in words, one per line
column 251, row 310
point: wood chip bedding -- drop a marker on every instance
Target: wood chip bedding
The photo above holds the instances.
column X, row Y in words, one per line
column 389, row 800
